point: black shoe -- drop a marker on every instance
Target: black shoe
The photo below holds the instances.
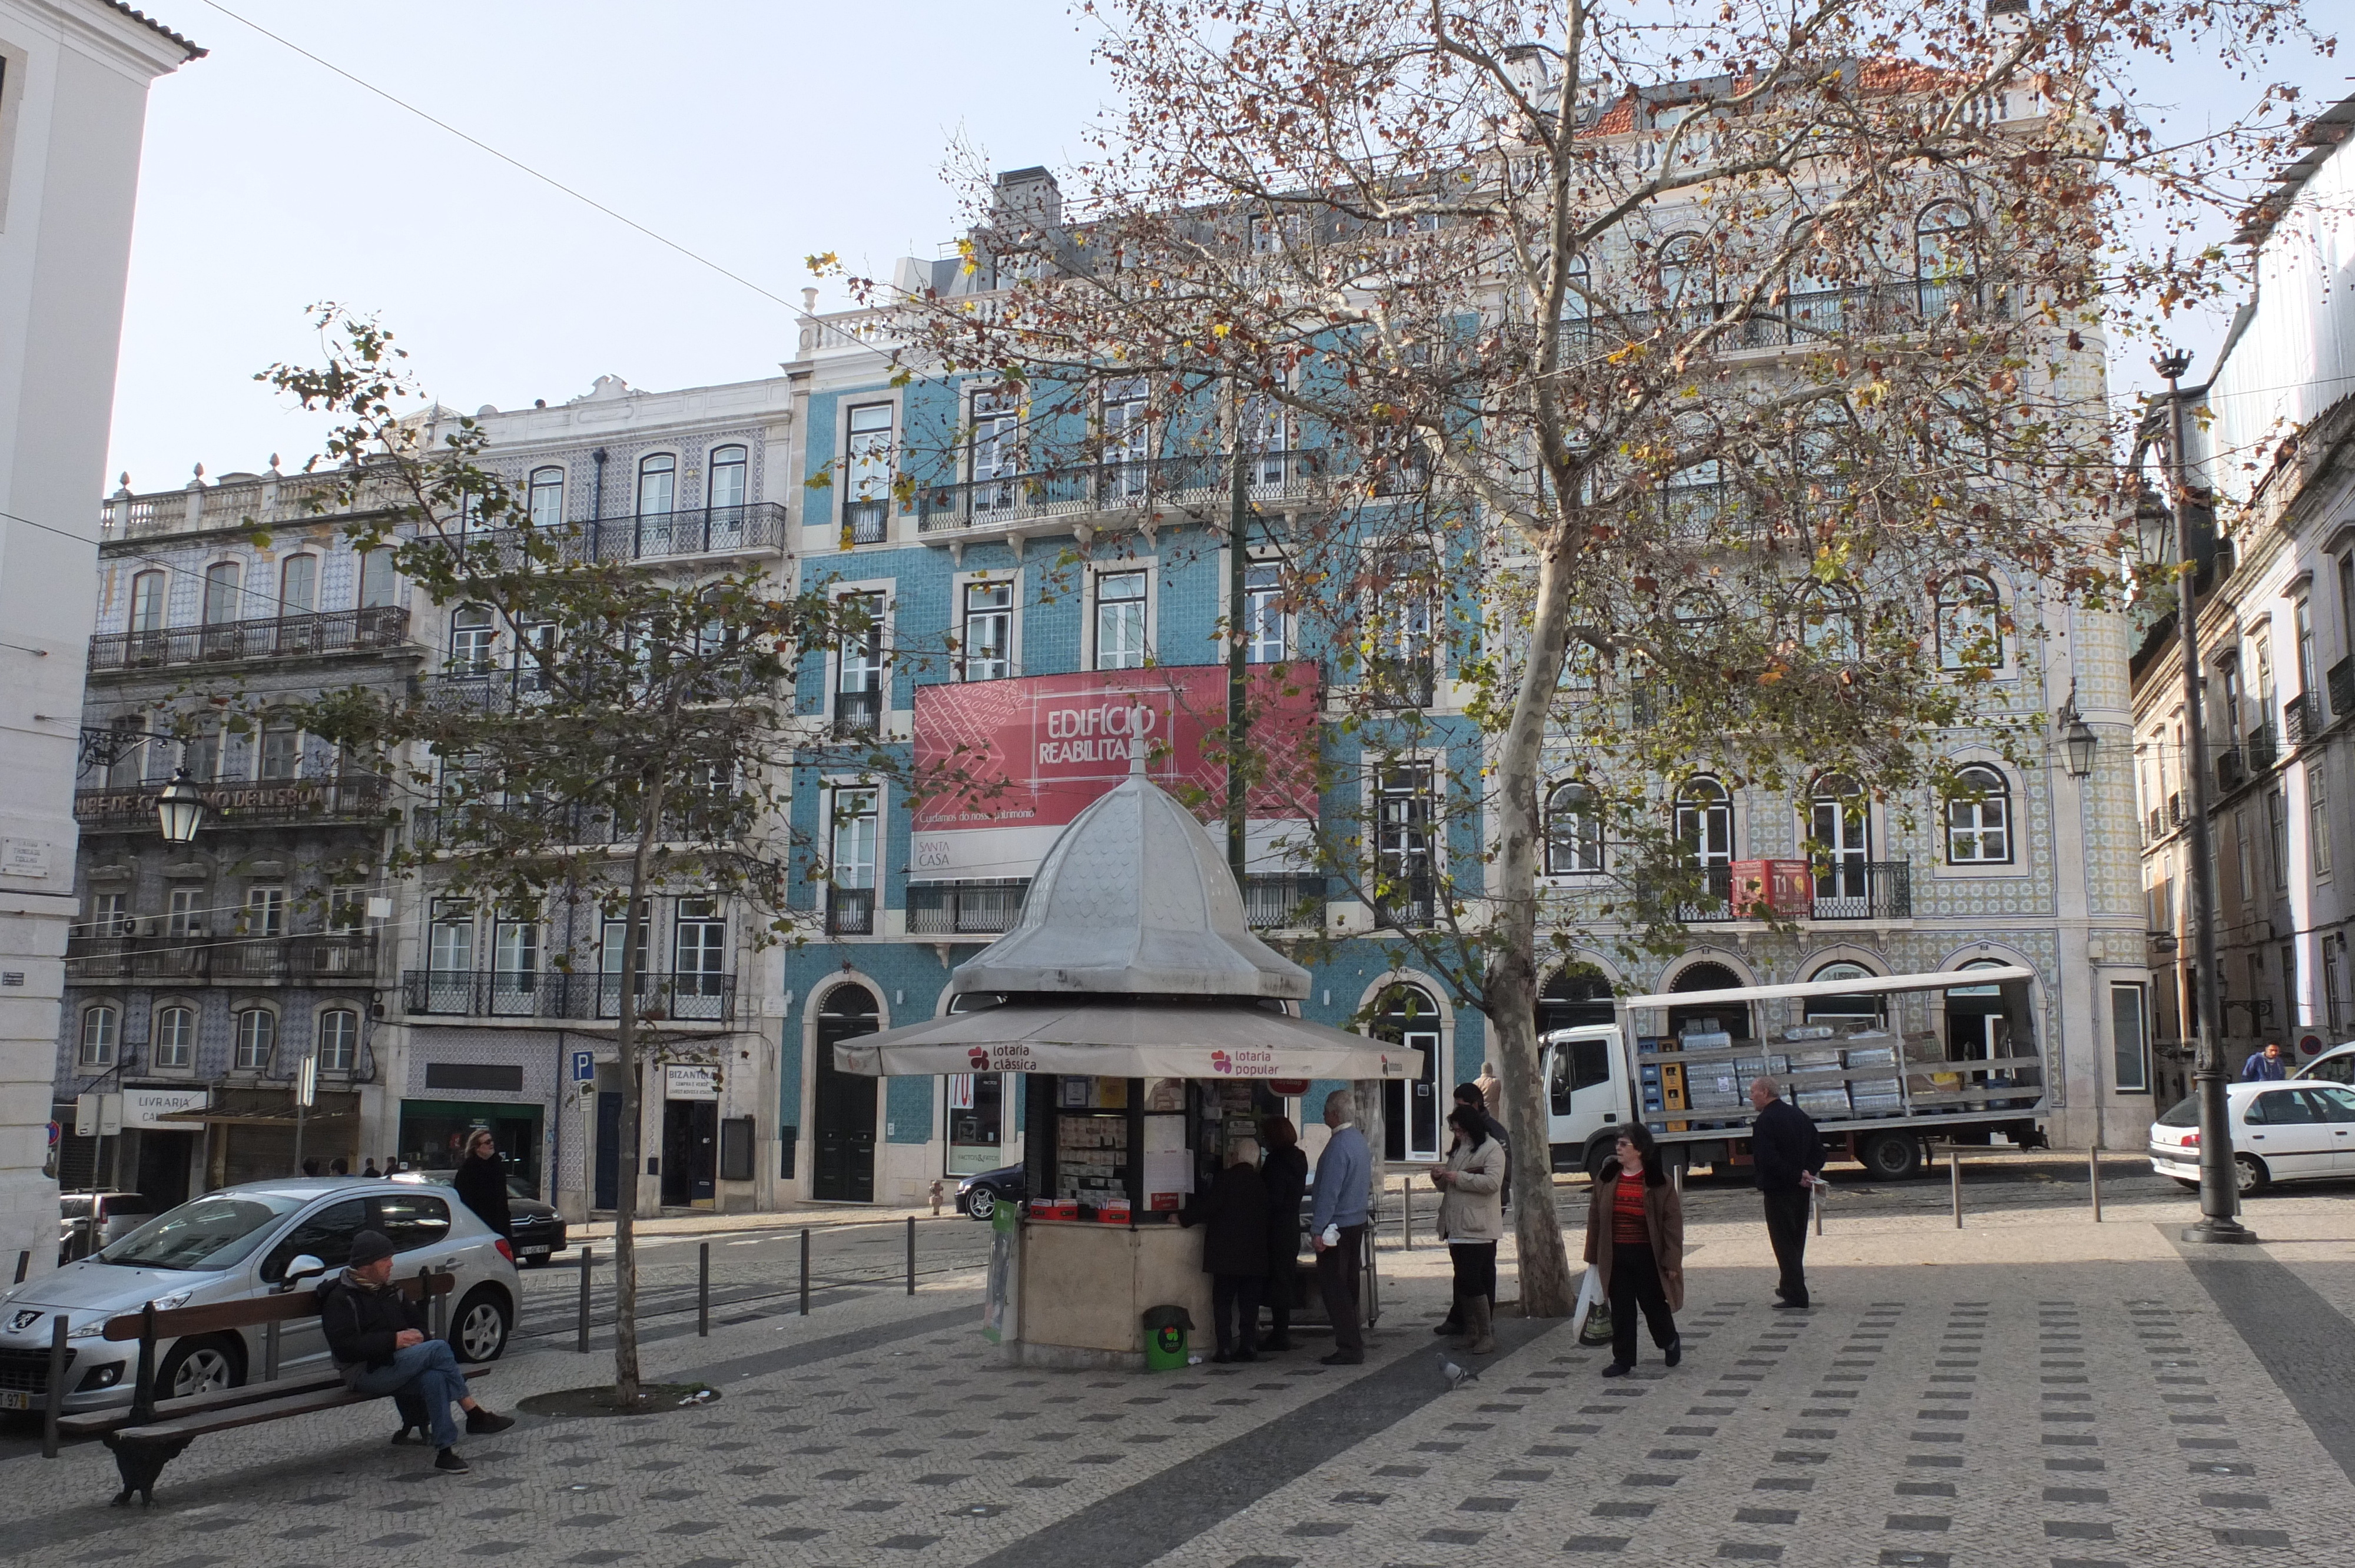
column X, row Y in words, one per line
column 1271, row 1346
column 447, row 1461
column 1454, row 1325
column 1223, row 1357
column 1343, row 1358
column 1675, row 1351
column 1787, row 1303
column 1618, row 1369
column 402, row 1439
column 480, row 1421
column 1246, row 1355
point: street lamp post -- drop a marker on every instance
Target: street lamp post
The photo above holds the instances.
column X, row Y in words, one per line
column 2218, row 1183
column 180, row 808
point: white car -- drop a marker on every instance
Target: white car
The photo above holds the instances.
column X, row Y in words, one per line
column 2293, row 1131
column 2336, row 1066
column 231, row 1245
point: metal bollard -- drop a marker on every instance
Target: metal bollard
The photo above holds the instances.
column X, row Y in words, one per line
column 1955, row 1174
column 588, row 1262
column 1816, row 1202
column 270, row 1352
column 805, row 1271
column 54, row 1406
column 1406, row 1214
column 912, row 1255
column 2094, row 1179
column 441, row 1299
column 703, row 1289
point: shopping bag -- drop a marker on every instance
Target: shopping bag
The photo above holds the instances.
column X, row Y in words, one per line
column 1597, row 1329
column 1590, row 1295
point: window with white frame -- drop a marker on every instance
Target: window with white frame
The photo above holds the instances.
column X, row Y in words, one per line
column 725, row 482
column 1978, row 819
column 256, row 1039
column 1573, row 831
column 173, row 1041
column 866, row 478
column 1121, row 640
column 281, row 748
column 184, row 912
column 515, row 959
column 347, row 907
column 2129, row 1037
column 657, row 484
column 1403, row 888
column 473, row 638
column 2318, row 819
column 2244, row 854
column 544, row 497
column 110, row 915
column 102, row 1034
column 298, row 585
column 224, row 592
column 265, row 911
column 986, row 649
column 1264, row 640
column 700, row 946
column 1128, row 436
column 1704, row 824
column 338, row 1040
column 149, row 602
column 854, row 838
column 450, row 939
column 2277, row 836
column 1267, row 440
column 858, row 663
column 1970, row 622
column 378, row 584
column 993, row 452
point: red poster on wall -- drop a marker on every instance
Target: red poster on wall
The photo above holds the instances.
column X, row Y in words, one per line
column 1007, row 764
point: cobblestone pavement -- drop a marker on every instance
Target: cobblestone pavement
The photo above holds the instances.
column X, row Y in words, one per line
column 2032, row 1389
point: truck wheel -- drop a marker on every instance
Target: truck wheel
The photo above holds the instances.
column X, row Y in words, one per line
column 1890, row 1157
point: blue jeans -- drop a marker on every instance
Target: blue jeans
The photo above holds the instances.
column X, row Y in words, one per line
column 424, row 1374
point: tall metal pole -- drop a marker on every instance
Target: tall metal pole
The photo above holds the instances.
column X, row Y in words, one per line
column 2217, row 1181
column 1238, row 630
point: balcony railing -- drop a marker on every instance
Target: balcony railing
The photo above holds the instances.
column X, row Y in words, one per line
column 866, row 522
column 756, row 527
column 1401, row 682
column 521, row 688
column 850, row 911
column 2260, row 750
column 689, row 997
column 1805, row 319
column 2301, row 717
column 857, row 713
column 1864, row 890
column 2339, row 679
column 1274, row 901
column 480, row 825
column 2231, row 774
column 350, row 798
column 1404, row 902
column 326, row 959
column 961, row 908
column 276, row 637
column 1049, row 494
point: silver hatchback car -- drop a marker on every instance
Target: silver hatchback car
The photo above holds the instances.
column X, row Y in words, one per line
column 236, row 1244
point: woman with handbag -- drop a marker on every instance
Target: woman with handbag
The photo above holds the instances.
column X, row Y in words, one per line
column 1636, row 1240
column 1472, row 1221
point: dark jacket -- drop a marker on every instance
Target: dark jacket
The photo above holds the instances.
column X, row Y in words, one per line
column 1663, row 1217
column 360, row 1323
column 482, row 1186
column 1285, row 1175
column 2256, row 1069
column 1234, row 1216
column 1784, row 1142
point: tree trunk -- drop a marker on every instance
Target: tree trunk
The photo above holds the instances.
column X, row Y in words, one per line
column 625, row 1051
column 1510, row 996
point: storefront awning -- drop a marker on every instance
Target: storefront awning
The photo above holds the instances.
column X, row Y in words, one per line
column 1114, row 1038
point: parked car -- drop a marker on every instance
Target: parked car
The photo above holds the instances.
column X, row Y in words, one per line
column 978, row 1195
column 2295, row 1131
column 111, row 1214
column 242, row 1242
column 2336, row 1066
column 538, row 1230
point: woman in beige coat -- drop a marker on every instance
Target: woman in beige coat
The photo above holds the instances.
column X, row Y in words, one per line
column 1472, row 1221
column 1636, row 1240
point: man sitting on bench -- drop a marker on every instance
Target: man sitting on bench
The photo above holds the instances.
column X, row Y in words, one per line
column 377, row 1337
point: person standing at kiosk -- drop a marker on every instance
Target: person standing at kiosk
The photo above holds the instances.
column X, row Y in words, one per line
column 1336, row 1225
column 1285, row 1172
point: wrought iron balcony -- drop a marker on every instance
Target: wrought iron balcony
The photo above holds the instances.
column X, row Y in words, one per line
column 960, row 909
column 2231, row 774
column 1401, row 682
column 1864, row 890
column 850, row 911
column 2339, row 679
column 357, row 798
column 2301, row 717
column 322, row 958
column 488, row 825
column 1709, row 898
column 1404, row 901
column 1056, row 496
column 756, row 528
column 1274, row 901
column 374, row 628
column 2260, row 751
column 857, row 713
column 522, row 688
column 1804, row 319
column 686, row 997
column 866, row 522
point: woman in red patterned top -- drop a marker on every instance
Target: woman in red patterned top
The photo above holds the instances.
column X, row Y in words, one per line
column 1636, row 1240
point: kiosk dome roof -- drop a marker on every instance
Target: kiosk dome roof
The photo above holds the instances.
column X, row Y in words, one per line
column 1133, row 898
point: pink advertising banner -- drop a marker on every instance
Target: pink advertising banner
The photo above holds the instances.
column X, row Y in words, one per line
column 1007, row 763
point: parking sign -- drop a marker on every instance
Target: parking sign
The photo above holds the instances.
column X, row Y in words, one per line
column 584, row 1067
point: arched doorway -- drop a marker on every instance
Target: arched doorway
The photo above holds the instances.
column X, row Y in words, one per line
column 844, row 1170
column 1868, row 1009
column 1576, row 993
column 1407, row 1016
column 1977, row 1028
column 1734, row 1018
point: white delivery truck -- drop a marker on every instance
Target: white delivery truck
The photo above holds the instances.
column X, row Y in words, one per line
column 1879, row 1093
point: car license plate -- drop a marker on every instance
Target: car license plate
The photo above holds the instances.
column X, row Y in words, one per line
column 535, row 1252
column 16, row 1399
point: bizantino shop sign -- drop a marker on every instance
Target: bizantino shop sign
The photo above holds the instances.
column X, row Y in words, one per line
column 1004, row 764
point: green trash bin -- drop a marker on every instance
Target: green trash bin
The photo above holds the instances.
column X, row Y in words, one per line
column 1166, row 1329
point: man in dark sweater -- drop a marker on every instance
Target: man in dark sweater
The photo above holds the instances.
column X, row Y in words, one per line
column 1788, row 1154
column 378, row 1340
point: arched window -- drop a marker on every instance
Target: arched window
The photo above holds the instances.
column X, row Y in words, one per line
column 1688, row 281
column 1831, row 622
column 1714, row 1017
column 1705, row 824
column 101, row 1032
column 298, row 585
column 1840, row 826
column 224, row 592
column 544, row 497
column 473, row 635
column 1863, row 1010
column 1970, row 622
column 657, row 484
column 1573, row 831
column 1945, row 269
column 724, row 485
column 256, row 1036
column 339, row 1040
column 1978, row 819
column 174, row 1041
column 148, row 602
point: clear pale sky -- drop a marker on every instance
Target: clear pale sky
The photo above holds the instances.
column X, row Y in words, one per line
column 750, row 133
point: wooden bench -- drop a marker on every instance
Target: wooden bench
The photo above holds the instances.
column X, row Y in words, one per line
column 150, row 1432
